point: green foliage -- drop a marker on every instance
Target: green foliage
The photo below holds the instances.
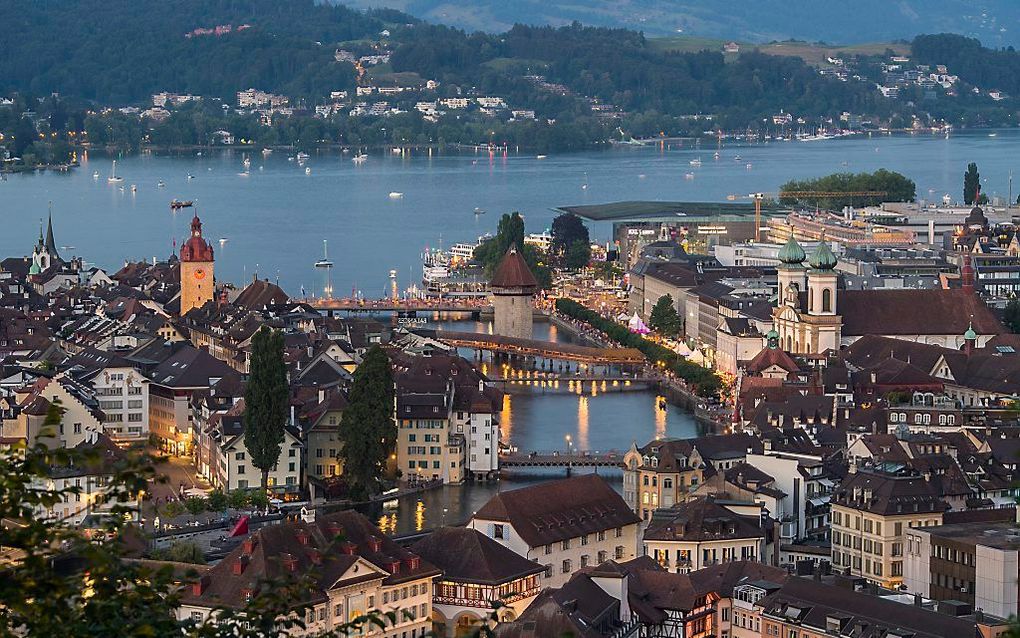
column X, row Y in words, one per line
column 258, row 499
column 578, row 255
column 195, row 505
column 567, row 229
column 510, row 231
column 173, row 509
column 367, row 428
column 971, row 184
column 702, row 379
column 181, row 552
column 238, row 499
column 265, row 401
column 1012, row 315
column 54, row 415
column 217, row 501
column 897, row 188
column 664, row 317
column 60, row 582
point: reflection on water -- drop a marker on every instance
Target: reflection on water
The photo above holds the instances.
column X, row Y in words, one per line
column 582, row 423
column 506, row 419
column 660, row 417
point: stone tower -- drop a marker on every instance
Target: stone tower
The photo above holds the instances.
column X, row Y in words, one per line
column 512, row 288
column 197, row 282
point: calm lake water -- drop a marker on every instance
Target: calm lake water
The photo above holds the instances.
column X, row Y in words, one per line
column 275, row 219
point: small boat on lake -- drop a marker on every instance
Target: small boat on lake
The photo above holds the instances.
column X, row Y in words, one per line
column 177, row 204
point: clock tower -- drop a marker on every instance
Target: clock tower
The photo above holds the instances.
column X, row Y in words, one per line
column 197, row 282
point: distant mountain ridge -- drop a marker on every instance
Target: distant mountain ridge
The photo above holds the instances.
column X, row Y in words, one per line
column 995, row 22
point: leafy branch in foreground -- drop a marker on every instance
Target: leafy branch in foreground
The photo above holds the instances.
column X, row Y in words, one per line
column 56, row 580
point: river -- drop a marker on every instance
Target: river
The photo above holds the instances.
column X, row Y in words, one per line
column 274, row 220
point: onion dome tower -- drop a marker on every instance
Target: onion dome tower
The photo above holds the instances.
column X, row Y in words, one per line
column 197, row 282
column 792, row 276
column 822, row 281
column 512, row 288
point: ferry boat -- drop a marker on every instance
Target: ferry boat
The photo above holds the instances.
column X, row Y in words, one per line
column 541, row 241
column 177, row 204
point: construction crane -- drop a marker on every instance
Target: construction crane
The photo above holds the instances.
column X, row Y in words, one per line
column 759, row 197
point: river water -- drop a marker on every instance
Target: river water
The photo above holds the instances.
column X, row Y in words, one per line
column 274, row 221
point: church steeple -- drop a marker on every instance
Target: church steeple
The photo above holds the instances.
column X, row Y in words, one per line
column 51, row 246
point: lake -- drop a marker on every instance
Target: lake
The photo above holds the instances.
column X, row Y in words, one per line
column 275, row 219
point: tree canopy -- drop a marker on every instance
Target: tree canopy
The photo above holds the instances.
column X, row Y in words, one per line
column 367, row 428
column 664, row 317
column 566, row 229
column 265, row 401
column 897, row 188
column 510, row 231
column 971, row 184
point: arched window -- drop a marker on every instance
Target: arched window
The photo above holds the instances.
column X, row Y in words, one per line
column 789, row 343
column 826, row 300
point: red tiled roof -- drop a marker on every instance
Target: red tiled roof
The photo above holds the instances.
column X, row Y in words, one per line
column 513, row 272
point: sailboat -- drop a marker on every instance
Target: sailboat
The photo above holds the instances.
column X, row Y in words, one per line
column 359, row 158
column 113, row 174
column 584, row 186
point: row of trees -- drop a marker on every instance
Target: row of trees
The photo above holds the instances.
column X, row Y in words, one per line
column 897, row 188
column 367, row 429
column 703, row 380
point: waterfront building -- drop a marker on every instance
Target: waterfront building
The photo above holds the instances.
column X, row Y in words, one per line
column 703, row 531
column 477, row 572
column 512, row 288
column 197, row 281
column 231, row 466
column 566, row 525
column 871, row 512
column 322, row 435
column 974, row 562
column 358, row 570
column 663, row 472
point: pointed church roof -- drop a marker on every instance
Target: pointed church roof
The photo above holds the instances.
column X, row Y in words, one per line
column 51, row 246
column 513, row 272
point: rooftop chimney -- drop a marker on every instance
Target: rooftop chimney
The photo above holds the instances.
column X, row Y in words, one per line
column 239, row 565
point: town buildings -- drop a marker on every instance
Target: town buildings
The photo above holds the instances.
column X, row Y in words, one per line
column 564, row 525
column 871, row 513
column 477, row 571
column 362, row 570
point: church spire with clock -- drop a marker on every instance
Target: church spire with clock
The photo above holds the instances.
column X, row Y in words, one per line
column 197, row 282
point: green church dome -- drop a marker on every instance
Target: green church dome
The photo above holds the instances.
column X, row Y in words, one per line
column 970, row 335
column 822, row 258
column 791, row 252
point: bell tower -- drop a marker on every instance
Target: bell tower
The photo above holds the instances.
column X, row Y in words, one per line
column 197, row 282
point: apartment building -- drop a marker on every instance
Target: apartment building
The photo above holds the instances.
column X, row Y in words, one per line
column 703, row 532
column 871, row 512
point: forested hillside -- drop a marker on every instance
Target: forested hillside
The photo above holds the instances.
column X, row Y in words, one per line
column 116, row 51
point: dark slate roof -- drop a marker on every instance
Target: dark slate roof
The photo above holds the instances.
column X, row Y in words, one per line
column 700, row 519
column 190, row 367
column 810, row 603
column 915, row 312
column 888, row 494
column 558, row 510
column 580, row 609
column 466, row 555
column 259, row 294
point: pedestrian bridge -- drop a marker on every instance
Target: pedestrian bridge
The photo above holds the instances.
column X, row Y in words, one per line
column 535, row 348
column 556, row 459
